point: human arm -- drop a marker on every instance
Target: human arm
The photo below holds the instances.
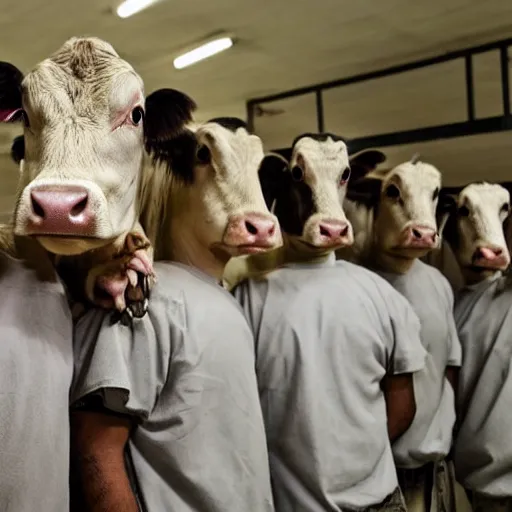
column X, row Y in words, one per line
column 400, row 403
column 100, row 482
column 407, row 357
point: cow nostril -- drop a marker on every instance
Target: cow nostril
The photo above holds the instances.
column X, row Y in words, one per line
column 344, row 231
column 272, row 230
column 324, row 232
column 37, row 208
column 416, row 233
column 79, row 207
column 498, row 252
column 251, row 228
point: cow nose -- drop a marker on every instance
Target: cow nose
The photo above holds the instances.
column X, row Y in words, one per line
column 489, row 253
column 422, row 234
column 254, row 229
column 259, row 226
column 333, row 229
column 61, row 210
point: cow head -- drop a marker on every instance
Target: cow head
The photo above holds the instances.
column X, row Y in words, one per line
column 475, row 229
column 215, row 198
column 305, row 195
column 402, row 202
column 85, row 122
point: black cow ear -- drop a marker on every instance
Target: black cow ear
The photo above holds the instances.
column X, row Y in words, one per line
column 177, row 154
column 273, row 173
column 364, row 162
column 230, row 123
column 446, row 205
column 18, row 149
column 366, row 191
column 167, row 113
column 10, row 92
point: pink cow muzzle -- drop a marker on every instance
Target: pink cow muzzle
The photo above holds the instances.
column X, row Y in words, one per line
column 60, row 210
column 333, row 234
column 252, row 232
column 493, row 258
column 419, row 237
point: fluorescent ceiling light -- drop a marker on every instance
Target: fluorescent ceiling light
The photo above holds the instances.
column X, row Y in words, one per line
column 130, row 7
column 202, row 52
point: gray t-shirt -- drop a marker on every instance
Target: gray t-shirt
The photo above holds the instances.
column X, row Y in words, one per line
column 186, row 372
column 326, row 336
column 483, row 445
column 36, row 368
column 429, row 438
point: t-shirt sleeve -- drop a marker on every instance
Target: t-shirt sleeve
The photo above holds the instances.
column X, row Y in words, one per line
column 122, row 365
column 454, row 346
column 408, row 354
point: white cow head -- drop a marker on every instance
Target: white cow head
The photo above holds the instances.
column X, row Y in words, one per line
column 474, row 229
column 85, row 124
column 399, row 210
column 305, row 194
column 212, row 194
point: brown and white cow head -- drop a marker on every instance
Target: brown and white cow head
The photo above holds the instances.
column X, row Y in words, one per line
column 396, row 210
column 475, row 229
column 213, row 207
column 85, row 124
column 305, row 194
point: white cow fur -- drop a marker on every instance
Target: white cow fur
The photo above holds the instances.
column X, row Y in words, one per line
column 188, row 222
column 74, row 140
column 323, row 164
column 378, row 233
column 482, row 228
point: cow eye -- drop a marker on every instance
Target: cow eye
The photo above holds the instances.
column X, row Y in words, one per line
column 505, row 208
column 435, row 195
column 137, row 115
column 297, row 173
column 393, row 192
column 203, row 154
column 345, row 176
column 464, row 211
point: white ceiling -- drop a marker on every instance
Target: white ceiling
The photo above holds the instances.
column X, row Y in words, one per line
column 283, row 44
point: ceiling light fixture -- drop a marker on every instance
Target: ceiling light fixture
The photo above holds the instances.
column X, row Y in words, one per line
column 131, row 7
column 204, row 51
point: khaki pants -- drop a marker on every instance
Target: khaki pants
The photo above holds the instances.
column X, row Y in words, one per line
column 430, row 488
column 393, row 503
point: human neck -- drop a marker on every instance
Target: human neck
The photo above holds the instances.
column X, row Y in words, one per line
column 297, row 252
column 393, row 263
column 186, row 248
column 472, row 277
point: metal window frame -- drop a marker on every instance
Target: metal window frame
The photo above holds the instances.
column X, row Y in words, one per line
column 472, row 126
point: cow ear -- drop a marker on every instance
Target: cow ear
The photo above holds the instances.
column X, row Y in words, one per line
column 167, row 113
column 18, row 149
column 445, row 212
column 366, row 191
column 273, row 172
column 364, row 162
column 230, row 123
column 447, row 203
column 177, row 155
column 10, row 92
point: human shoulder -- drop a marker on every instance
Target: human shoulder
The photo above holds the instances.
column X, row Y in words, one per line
column 372, row 281
column 433, row 276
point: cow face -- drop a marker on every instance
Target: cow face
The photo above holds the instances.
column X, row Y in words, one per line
column 216, row 196
column 474, row 228
column 403, row 202
column 305, row 195
column 85, row 121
